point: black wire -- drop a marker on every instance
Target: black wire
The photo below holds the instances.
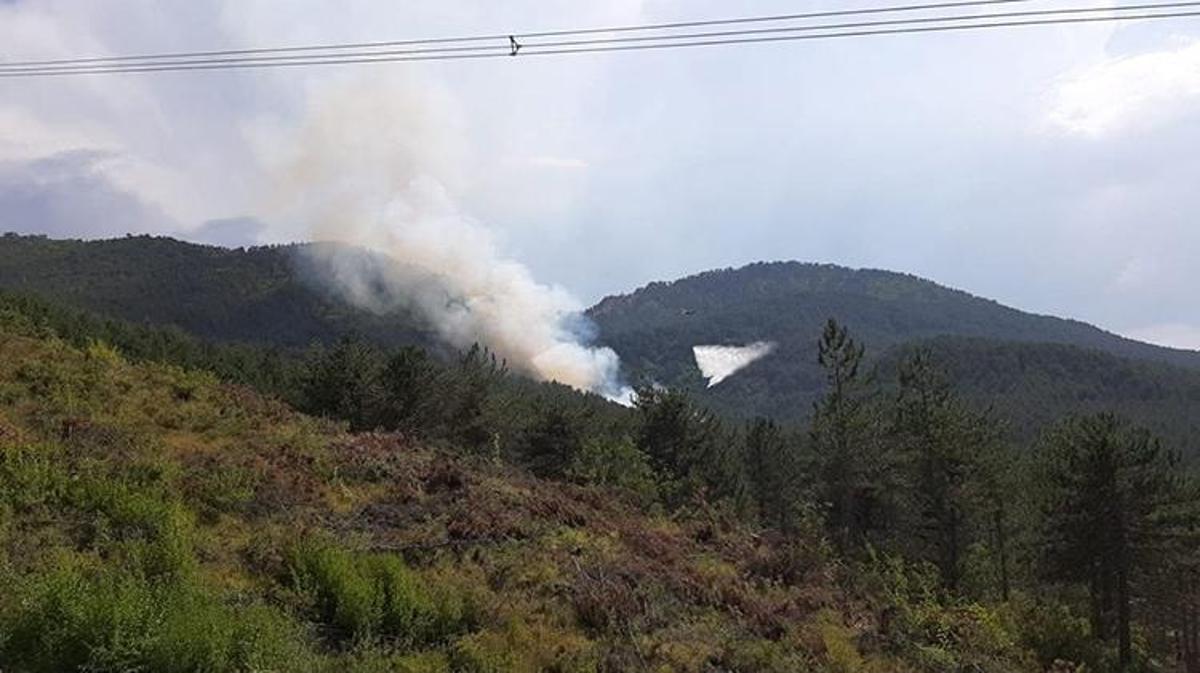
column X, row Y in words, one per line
column 866, row 33
column 312, row 58
column 532, row 35
column 864, row 24
column 501, row 50
column 532, row 50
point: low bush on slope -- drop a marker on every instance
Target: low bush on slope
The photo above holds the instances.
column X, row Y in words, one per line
column 152, row 519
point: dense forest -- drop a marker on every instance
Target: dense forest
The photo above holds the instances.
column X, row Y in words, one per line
column 1032, row 369
column 272, row 294
column 164, row 509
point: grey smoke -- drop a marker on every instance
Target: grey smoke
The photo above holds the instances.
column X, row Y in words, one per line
column 374, row 167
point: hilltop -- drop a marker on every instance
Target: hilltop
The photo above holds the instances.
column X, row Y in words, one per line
column 1035, row 368
column 271, row 294
column 1064, row 365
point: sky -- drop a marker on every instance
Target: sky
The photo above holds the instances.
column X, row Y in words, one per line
column 1053, row 169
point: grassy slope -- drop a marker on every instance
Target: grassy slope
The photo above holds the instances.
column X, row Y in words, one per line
column 152, row 519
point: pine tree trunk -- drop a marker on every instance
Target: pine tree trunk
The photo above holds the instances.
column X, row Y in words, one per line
column 1189, row 635
column 1002, row 547
column 1124, row 640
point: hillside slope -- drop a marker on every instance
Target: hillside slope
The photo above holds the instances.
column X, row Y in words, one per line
column 264, row 295
column 152, row 519
column 655, row 327
column 272, row 296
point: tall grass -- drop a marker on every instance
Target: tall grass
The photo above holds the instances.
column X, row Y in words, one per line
column 367, row 596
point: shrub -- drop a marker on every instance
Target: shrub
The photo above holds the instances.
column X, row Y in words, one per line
column 342, row 595
column 520, row 647
column 381, row 661
column 224, row 489
column 1056, row 634
column 937, row 632
column 30, row 477
column 155, row 534
column 376, row 595
column 615, row 463
column 71, row 618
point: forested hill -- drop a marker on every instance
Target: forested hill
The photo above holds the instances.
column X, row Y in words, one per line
column 790, row 301
column 254, row 295
column 655, row 327
column 1034, row 368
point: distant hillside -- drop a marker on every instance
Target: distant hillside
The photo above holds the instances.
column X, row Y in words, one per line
column 1030, row 385
column 270, row 295
column 655, row 327
column 257, row 294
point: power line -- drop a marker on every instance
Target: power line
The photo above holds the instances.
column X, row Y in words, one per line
column 546, row 49
column 523, row 36
column 867, row 24
column 505, row 49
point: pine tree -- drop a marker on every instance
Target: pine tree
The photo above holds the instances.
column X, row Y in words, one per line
column 688, row 447
column 844, row 443
column 407, row 384
column 773, row 472
column 1118, row 509
column 942, row 441
column 553, row 442
column 344, row 382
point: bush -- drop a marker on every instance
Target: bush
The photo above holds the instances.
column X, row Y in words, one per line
column 376, row 595
column 615, row 463
column 1056, row 635
column 73, row 619
column 30, row 477
column 154, row 534
column 936, row 631
column 376, row 661
column 520, row 647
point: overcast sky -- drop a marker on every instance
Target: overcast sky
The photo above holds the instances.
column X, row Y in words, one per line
column 1054, row 169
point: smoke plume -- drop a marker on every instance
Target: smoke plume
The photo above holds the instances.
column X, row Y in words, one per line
column 377, row 168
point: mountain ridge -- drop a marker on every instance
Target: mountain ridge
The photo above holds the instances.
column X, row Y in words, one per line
column 267, row 295
column 607, row 306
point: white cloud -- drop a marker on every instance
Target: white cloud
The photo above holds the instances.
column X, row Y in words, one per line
column 557, row 162
column 1121, row 92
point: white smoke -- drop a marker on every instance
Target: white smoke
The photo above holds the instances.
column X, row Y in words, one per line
column 718, row 363
column 375, row 167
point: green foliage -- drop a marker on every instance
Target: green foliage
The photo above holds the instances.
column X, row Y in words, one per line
column 1035, row 369
column 776, row 475
column 689, row 448
column 266, row 295
column 178, row 500
column 72, row 618
column 944, row 442
column 617, row 464
column 933, row 629
column 155, row 534
column 850, row 461
column 31, row 476
column 1119, row 508
column 520, row 647
column 1055, row 633
column 375, row 595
